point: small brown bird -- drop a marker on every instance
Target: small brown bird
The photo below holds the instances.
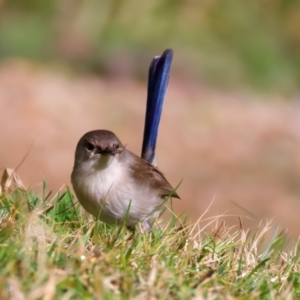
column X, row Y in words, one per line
column 116, row 185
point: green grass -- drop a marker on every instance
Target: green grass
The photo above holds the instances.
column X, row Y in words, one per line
column 51, row 249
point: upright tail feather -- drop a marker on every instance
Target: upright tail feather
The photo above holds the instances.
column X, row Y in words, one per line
column 158, row 79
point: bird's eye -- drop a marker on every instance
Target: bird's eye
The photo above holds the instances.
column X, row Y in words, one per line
column 89, row 147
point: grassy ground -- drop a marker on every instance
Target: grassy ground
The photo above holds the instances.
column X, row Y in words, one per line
column 50, row 249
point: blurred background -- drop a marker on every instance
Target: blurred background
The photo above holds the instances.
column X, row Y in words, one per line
column 230, row 128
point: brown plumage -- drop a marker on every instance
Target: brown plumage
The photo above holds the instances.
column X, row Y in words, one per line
column 108, row 179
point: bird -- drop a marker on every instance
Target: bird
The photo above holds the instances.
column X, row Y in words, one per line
column 114, row 184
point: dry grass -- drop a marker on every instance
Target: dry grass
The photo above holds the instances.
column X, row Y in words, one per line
column 50, row 249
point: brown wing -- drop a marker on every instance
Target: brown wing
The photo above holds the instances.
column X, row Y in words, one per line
column 143, row 172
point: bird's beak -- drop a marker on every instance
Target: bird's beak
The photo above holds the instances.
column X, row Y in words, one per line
column 110, row 151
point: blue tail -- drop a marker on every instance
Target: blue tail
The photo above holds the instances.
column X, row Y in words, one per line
column 159, row 73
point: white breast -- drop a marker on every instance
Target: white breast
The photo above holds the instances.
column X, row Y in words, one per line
column 106, row 190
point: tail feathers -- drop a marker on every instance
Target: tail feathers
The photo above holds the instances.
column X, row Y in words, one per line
column 159, row 73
